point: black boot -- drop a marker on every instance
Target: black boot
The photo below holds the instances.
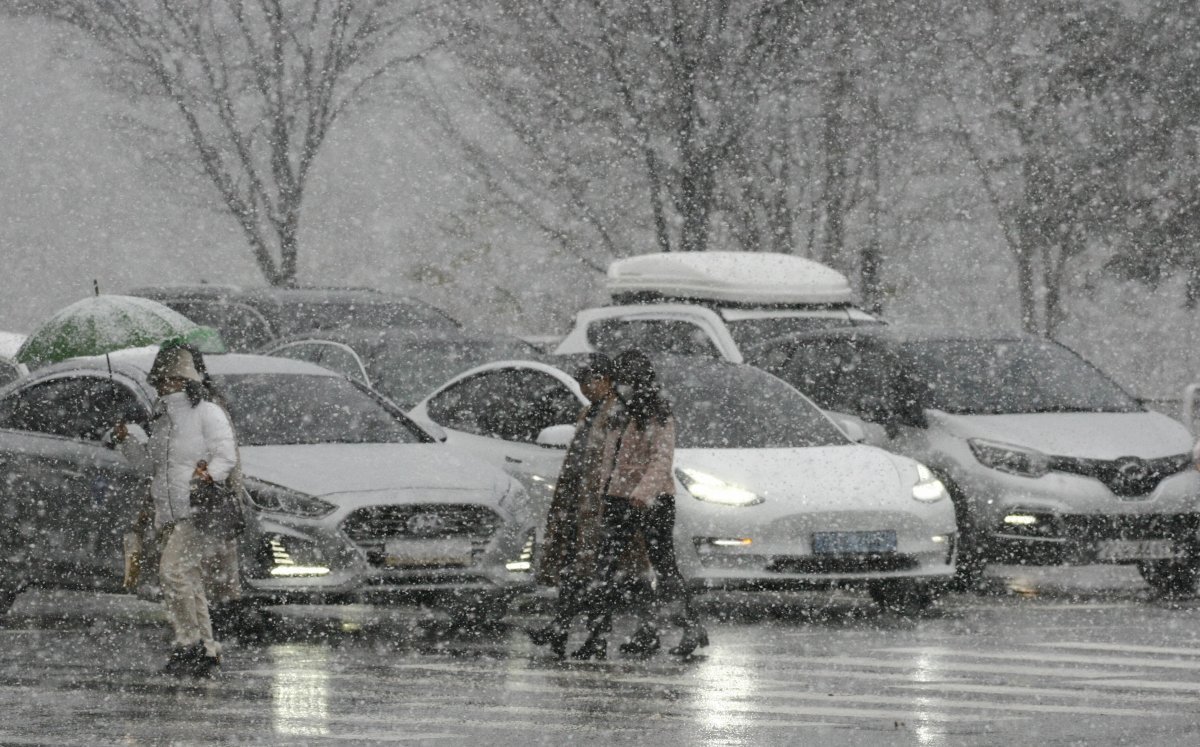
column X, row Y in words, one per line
column 643, row 642
column 595, row 647
column 694, row 637
column 553, row 635
column 183, row 659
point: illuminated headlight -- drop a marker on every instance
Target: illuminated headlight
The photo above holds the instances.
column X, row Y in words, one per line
column 1008, row 458
column 274, row 498
column 705, row 487
column 285, row 563
column 523, row 563
column 928, row 488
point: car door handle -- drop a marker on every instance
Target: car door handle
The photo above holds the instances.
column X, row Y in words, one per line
column 512, row 460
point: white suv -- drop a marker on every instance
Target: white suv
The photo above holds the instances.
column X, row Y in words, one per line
column 713, row 303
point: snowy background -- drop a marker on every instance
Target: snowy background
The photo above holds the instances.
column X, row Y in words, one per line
column 391, row 205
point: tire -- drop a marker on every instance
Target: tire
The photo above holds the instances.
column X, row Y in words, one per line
column 972, row 556
column 903, row 597
column 1171, row 578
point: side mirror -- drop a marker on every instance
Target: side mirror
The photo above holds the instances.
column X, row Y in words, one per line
column 556, row 436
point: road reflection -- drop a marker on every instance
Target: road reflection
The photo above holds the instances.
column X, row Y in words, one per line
column 300, row 689
column 927, row 668
column 726, row 682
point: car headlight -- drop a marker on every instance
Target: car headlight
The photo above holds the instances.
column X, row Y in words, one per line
column 270, row 497
column 706, row 487
column 927, row 489
column 1008, row 458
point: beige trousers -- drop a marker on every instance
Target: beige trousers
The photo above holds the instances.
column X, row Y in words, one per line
column 182, row 577
column 222, row 577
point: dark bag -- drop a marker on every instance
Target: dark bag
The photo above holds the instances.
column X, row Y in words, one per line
column 216, row 507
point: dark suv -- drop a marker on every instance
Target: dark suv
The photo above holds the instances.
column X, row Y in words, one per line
column 249, row 318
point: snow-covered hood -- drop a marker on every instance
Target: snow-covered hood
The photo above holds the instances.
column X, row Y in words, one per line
column 330, row 470
column 835, row 478
column 1090, row 435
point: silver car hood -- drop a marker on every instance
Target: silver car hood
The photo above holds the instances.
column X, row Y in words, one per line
column 1090, row 435
column 331, row 469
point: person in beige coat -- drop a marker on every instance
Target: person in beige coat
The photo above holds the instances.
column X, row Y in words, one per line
column 639, row 503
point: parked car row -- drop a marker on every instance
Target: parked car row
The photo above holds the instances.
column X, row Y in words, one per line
column 923, row 454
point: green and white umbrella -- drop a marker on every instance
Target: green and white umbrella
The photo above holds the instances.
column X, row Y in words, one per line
column 104, row 323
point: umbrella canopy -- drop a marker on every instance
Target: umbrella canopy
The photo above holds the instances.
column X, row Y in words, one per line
column 101, row 324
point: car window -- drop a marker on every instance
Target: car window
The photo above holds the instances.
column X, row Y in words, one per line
column 674, row 336
column 852, row 376
column 331, row 356
column 461, row 405
column 753, row 331
column 980, row 376
column 271, row 409
column 741, row 407
column 82, row 408
column 510, row 404
column 8, row 372
column 535, row 401
column 407, row 372
column 241, row 327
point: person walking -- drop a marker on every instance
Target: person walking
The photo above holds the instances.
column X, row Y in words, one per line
column 575, row 522
column 190, row 445
column 640, row 500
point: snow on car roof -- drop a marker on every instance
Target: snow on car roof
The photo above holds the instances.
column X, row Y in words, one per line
column 737, row 277
column 232, row 363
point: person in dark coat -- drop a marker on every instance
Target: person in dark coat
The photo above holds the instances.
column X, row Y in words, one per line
column 575, row 524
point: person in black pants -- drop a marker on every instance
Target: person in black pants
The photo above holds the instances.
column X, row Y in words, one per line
column 639, row 501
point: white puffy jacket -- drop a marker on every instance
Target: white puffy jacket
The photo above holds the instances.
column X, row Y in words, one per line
column 180, row 436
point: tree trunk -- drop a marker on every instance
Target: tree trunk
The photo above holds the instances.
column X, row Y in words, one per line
column 834, row 140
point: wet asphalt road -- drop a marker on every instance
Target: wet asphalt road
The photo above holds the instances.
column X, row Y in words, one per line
column 1049, row 657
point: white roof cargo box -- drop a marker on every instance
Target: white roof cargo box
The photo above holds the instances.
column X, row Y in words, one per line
column 731, row 277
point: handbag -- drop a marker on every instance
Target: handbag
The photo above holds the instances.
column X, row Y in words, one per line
column 216, row 506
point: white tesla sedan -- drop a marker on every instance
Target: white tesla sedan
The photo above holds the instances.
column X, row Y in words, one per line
column 772, row 494
column 348, row 498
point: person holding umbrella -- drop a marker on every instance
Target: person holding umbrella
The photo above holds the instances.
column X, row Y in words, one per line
column 191, row 447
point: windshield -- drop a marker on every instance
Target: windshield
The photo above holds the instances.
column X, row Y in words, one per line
column 407, row 373
column 1011, row 376
column 749, row 332
column 270, row 409
column 739, row 407
column 303, row 316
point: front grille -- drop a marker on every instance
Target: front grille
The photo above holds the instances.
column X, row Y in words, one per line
column 1127, row 476
column 1150, row 526
column 834, row 564
column 421, row 521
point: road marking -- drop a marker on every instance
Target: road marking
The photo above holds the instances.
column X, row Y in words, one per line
column 950, row 666
column 1121, row 661
column 1017, row 690
column 1165, row 651
column 1144, row 684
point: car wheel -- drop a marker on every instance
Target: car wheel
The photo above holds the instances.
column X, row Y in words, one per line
column 905, row 598
column 1171, row 578
column 971, row 556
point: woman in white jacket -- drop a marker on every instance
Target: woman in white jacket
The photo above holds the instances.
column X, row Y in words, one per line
column 191, row 439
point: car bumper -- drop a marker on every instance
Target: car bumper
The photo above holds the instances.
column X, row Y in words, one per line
column 780, row 554
column 1069, row 519
column 293, row 560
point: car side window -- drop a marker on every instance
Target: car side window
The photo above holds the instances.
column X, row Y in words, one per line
column 537, row 401
column 82, row 408
column 463, row 406
column 674, row 336
column 8, row 372
column 241, row 326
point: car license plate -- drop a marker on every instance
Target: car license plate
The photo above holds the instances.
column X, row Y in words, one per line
column 1159, row 549
column 408, row 553
column 854, row 543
